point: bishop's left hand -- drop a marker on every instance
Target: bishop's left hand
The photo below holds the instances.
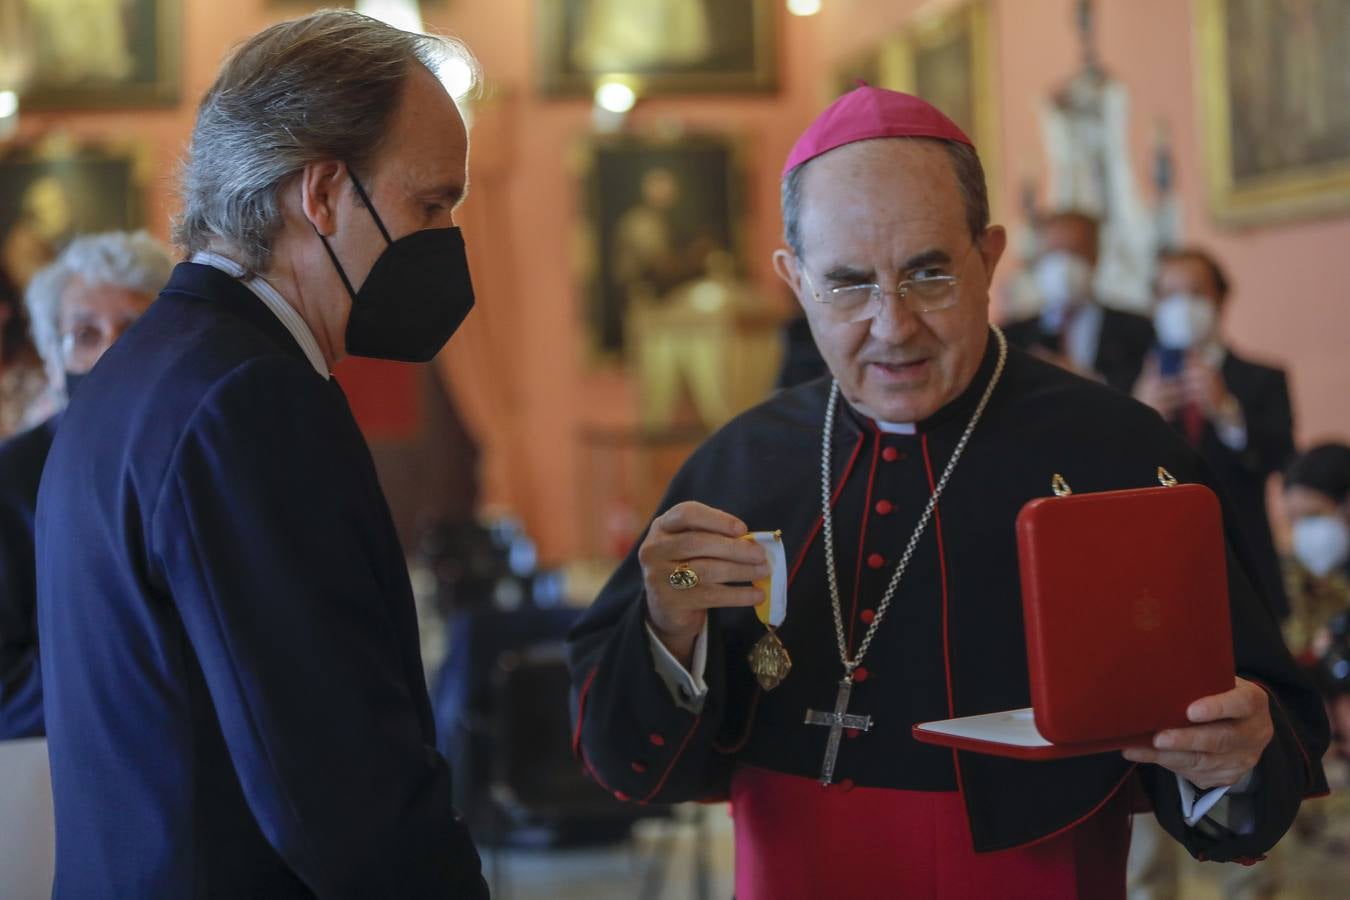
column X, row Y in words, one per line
column 1229, row 734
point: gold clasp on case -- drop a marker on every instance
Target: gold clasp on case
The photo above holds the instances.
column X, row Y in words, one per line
column 1060, row 486
column 1166, row 478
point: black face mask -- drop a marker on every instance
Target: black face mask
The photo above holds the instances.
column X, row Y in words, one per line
column 415, row 297
column 73, row 380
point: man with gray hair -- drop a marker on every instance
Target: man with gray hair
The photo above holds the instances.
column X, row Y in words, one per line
column 77, row 307
column 235, row 700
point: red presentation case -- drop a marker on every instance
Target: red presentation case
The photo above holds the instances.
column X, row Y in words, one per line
column 1125, row 601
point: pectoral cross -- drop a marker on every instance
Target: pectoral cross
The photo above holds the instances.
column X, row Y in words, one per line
column 837, row 722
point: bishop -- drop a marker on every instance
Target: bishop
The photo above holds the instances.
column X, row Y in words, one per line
column 896, row 480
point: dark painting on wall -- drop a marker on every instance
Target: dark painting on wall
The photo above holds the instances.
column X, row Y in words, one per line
column 658, row 213
column 662, row 46
column 99, row 53
column 47, row 196
column 1277, row 107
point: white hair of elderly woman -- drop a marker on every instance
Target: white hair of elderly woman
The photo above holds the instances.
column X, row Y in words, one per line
column 124, row 259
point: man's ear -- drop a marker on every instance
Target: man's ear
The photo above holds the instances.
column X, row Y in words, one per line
column 992, row 244
column 786, row 265
column 321, row 186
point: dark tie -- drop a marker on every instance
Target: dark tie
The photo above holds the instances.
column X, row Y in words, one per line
column 1193, row 423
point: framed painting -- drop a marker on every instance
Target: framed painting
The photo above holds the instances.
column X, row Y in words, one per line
column 947, row 59
column 50, row 193
column 657, row 46
column 659, row 214
column 887, row 64
column 101, row 53
column 1275, row 107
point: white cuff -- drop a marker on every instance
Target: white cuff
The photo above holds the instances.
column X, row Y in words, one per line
column 687, row 689
column 1235, row 812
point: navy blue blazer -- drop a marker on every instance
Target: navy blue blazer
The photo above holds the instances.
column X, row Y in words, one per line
column 234, row 695
column 21, row 460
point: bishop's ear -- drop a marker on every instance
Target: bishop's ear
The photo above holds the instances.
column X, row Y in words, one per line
column 321, row 186
column 786, row 265
column 992, row 244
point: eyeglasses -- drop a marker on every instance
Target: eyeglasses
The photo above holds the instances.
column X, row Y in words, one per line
column 859, row 302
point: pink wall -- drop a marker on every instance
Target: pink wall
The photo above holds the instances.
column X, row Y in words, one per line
column 1285, row 307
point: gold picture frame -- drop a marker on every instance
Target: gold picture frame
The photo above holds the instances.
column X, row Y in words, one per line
column 948, row 59
column 710, row 46
column 1276, row 141
column 137, row 60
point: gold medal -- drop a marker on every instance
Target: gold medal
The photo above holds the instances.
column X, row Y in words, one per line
column 769, row 661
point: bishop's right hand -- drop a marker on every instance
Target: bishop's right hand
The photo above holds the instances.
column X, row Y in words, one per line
column 708, row 542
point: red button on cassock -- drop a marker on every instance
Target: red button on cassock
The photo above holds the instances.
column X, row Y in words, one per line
column 657, row 739
column 867, row 616
column 861, row 674
column 890, row 454
column 876, row 560
column 620, row 796
column 885, row 507
column 638, row 767
column 852, row 732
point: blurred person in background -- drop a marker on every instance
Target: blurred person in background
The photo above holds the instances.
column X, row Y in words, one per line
column 1237, row 415
column 1074, row 329
column 21, row 381
column 79, row 305
column 1235, row 412
column 1317, row 505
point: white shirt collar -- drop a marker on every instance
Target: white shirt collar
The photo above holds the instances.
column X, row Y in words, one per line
column 273, row 300
column 896, row 427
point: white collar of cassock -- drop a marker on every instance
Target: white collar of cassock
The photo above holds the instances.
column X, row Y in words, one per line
column 896, row 427
column 273, row 300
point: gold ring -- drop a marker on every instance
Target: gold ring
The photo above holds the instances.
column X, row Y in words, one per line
column 683, row 578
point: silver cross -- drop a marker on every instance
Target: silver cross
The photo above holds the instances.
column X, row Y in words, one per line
column 837, row 722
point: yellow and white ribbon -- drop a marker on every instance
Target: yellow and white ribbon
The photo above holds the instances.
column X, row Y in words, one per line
column 773, row 610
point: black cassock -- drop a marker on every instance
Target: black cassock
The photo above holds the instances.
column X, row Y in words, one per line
column 951, row 645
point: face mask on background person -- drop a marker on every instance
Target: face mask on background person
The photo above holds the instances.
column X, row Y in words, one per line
column 1062, row 279
column 416, row 295
column 1322, row 543
column 1183, row 321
